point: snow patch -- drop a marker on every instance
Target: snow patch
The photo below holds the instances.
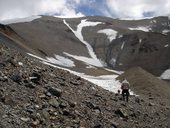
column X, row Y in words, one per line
column 164, row 24
column 165, row 31
column 78, row 34
column 122, row 46
column 20, row 64
column 120, row 36
column 153, row 21
column 90, row 66
column 114, row 71
column 166, row 74
column 141, row 28
column 107, row 82
column 60, row 60
column 88, row 61
column 113, row 61
column 120, row 64
column 110, row 33
column 140, row 41
column 36, row 57
column 166, row 45
column 19, row 20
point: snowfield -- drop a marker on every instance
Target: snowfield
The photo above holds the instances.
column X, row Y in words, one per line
column 111, row 34
column 62, row 61
column 142, row 28
column 86, row 60
column 78, row 33
column 165, row 31
column 107, row 82
column 165, row 75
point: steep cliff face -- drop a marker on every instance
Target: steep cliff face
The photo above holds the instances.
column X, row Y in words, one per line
column 151, row 52
column 96, row 41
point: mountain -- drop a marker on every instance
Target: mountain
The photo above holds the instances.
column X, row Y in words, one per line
column 45, row 60
column 91, row 44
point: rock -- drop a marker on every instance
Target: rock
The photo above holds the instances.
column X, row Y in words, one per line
column 121, row 113
column 2, row 65
column 25, row 119
column 3, row 78
column 30, row 85
column 76, row 121
column 43, row 96
column 16, row 78
column 114, row 124
column 78, row 113
column 63, row 104
column 151, row 104
column 45, row 114
column 7, row 100
column 75, row 83
column 48, row 94
column 133, row 115
column 63, row 84
column 92, row 105
column 53, row 102
column 35, row 77
column 137, row 100
column 72, row 104
column 35, row 123
column 66, row 112
column 20, row 63
column 30, row 110
column 45, row 104
column 151, row 98
column 12, row 61
column 55, row 91
column 98, row 125
column 97, row 111
column 79, row 78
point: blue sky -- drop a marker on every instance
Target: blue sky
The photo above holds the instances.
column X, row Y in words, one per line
column 134, row 9
column 93, row 8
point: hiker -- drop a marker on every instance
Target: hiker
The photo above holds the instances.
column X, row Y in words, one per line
column 125, row 90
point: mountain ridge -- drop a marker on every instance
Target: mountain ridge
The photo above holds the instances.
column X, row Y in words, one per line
column 131, row 44
column 34, row 92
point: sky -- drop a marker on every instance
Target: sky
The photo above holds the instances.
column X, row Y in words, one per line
column 134, row 9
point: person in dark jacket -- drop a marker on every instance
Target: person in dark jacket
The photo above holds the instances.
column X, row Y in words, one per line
column 125, row 90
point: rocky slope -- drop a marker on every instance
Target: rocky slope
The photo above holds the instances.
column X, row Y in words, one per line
column 39, row 96
column 147, row 85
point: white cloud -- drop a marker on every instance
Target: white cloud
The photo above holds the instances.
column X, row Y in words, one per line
column 11, row 9
column 21, row 8
column 137, row 8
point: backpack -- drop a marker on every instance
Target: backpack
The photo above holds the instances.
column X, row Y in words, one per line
column 125, row 86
